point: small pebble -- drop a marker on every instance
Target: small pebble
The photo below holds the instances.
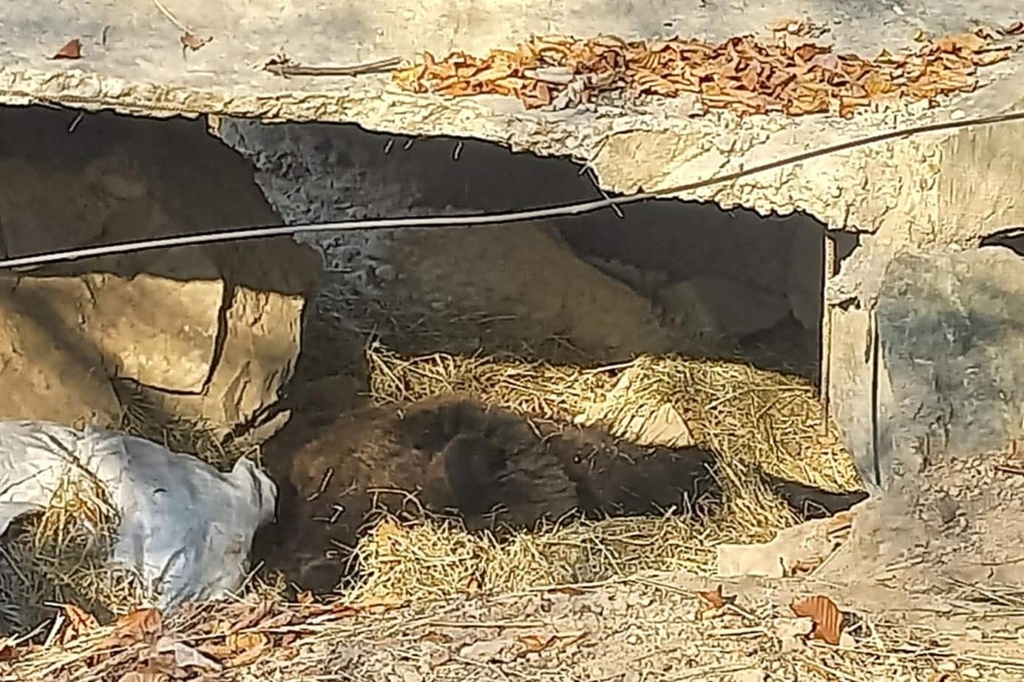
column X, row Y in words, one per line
column 946, row 667
column 386, row 273
column 971, row 673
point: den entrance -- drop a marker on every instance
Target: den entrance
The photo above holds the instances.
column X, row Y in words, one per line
column 564, row 399
column 487, row 408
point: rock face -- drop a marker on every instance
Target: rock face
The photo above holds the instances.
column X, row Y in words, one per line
column 952, row 353
column 202, row 332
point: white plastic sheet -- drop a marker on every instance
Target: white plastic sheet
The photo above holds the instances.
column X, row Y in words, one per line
column 186, row 528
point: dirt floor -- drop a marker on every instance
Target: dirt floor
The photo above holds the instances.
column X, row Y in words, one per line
column 655, row 627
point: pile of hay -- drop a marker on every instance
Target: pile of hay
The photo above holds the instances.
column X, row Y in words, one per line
column 754, row 419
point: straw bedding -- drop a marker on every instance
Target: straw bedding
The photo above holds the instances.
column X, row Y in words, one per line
column 753, row 418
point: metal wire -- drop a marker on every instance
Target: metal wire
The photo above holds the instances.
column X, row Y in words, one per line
column 66, row 255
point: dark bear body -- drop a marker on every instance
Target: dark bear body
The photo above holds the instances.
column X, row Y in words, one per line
column 457, row 456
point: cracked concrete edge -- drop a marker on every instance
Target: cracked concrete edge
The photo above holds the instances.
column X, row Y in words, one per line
column 862, row 189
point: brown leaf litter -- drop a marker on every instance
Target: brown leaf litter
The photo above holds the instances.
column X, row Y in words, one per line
column 827, row 618
column 742, row 74
column 71, row 50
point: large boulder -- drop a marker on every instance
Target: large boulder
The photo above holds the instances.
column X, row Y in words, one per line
column 208, row 333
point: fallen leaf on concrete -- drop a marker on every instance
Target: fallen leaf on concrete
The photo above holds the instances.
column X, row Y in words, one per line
column 742, row 74
column 71, row 50
column 827, row 617
column 191, row 41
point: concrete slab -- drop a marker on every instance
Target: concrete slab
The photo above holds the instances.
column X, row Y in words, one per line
column 133, row 62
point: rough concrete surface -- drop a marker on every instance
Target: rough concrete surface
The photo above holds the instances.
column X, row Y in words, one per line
column 134, row 62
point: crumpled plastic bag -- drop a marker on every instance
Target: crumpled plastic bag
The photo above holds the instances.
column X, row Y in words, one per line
column 185, row 527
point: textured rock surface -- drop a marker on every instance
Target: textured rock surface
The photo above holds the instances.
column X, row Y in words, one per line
column 950, row 328
column 203, row 332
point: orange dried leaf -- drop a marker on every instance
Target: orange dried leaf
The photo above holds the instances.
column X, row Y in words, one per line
column 133, row 627
column 536, row 643
column 9, row 652
column 965, row 42
column 827, row 617
column 716, row 599
column 80, row 622
column 249, row 647
column 71, row 50
column 190, row 41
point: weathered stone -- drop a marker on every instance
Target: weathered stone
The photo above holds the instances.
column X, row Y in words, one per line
column 713, row 308
column 41, row 366
column 158, row 331
column 950, row 330
column 207, row 333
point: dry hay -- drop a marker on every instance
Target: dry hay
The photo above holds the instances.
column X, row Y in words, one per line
column 745, row 414
column 755, row 419
column 142, row 417
column 60, row 556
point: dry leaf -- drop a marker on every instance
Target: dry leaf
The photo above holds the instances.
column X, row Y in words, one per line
column 780, row 25
column 436, row 638
column 185, row 657
column 536, row 643
column 827, row 617
column 533, row 644
column 741, row 74
column 716, row 599
column 8, row 651
column 987, row 33
column 713, row 603
column 256, row 615
column 133, row 627
column 190, row 41
column 1014, row 29
column 249, row 648
column 71, row 50
column 80, row 622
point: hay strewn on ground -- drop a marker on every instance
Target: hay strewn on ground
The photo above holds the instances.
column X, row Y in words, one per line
column 60, row 556
column 753, row 418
